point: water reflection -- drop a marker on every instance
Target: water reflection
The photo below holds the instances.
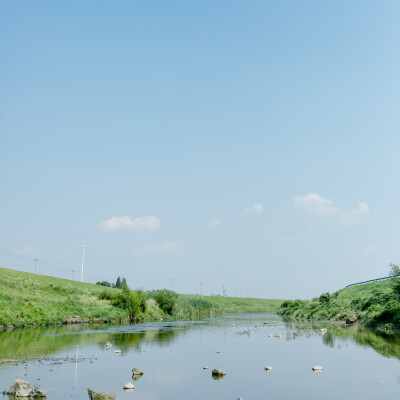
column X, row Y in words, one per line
column 44, row 341
column 386, row 344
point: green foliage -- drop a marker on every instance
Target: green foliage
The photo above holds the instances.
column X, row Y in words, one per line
column 103, row 283
column 375, row 304
column 46, row 300
column 130, row 301
column 120, row 283
column 105, row 295
column 395, row 279
column 166, row 299
column 325, row 299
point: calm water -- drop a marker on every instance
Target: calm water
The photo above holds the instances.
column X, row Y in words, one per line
column 358, row 364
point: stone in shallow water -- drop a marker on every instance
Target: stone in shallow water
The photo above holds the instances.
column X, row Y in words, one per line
column 129, row 386
column 317, row 368
column 218, row 372
column 100, row 395
column 137, row 371
column 38, row 393
column 20, row 388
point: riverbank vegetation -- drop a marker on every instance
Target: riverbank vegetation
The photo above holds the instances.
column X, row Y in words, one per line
column 27, row 299
column 375, row 304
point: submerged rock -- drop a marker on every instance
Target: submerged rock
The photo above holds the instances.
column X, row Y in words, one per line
column 20, row 388
column 137, row 371
column 99, row 395
column 38, row 393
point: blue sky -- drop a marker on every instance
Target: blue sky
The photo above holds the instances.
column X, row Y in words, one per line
column 247, row 144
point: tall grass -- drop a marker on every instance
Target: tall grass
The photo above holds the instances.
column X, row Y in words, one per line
column 47, row 300
column 374, row 305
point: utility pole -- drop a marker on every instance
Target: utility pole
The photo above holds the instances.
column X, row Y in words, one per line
column 36, row 260
column 72, row 270
column 83, row 259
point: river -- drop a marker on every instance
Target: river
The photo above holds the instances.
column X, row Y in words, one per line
column 65, row 360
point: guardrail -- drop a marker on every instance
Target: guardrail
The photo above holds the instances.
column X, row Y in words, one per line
column 372, row 280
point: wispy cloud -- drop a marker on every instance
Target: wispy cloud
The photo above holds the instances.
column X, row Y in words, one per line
column 256, row 208
column 149, row 223
column 213, row 223
column 168, row 247
column 323, row 207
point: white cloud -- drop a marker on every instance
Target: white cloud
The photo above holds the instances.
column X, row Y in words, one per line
column 256, row 208
column 149, row 223
column 213, row 223
column 168, row 247
column 323, row 207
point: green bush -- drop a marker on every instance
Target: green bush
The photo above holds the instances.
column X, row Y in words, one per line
column 166, row 300
column 130, row 301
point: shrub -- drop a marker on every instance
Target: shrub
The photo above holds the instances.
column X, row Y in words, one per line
column 103, row 283
column 128, row 300
column 166, row 300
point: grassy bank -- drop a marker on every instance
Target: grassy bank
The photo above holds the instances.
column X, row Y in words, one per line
column 374, row 305
column 27, row 299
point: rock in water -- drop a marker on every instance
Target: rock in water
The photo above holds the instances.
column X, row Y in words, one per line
column 129, row 386
column 317, row 368
column 268, row 368
column 38, row 393
column 20, row 388
column 218, row 372
column 117, row 351
column 100, row 395
column 137, row 371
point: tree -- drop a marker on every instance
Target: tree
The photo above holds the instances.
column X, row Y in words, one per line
column 395, row 278
column 118, row 283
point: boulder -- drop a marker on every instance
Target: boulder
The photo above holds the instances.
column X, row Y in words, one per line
column 20, row 388
column 137, row 371
column 100, row 395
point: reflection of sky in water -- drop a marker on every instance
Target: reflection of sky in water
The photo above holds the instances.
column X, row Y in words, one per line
column 172, row 355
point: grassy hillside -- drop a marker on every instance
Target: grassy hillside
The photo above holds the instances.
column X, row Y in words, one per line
column 373, row 304
column 46, row 300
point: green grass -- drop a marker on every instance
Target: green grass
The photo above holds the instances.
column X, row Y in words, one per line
column 45, row 300
column 372, row 304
